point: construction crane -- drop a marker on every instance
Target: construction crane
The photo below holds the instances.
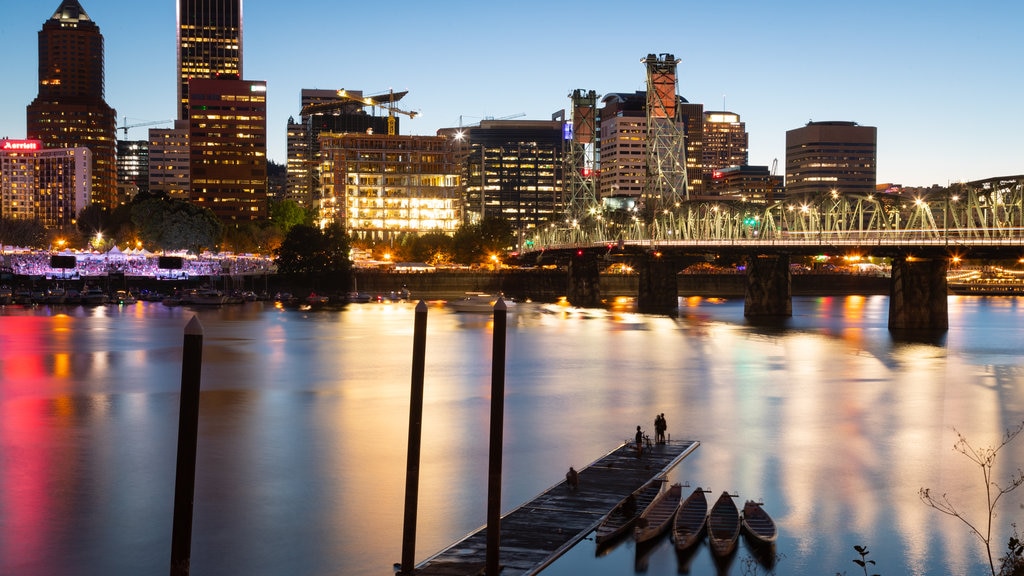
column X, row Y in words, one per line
column 384, row 102
column 125, row 126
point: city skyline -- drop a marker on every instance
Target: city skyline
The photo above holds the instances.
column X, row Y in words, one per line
column 936, row 83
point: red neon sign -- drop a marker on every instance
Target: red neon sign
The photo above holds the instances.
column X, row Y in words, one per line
column 21, row 145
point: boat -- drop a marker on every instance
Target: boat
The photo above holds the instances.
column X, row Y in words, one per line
column 479, row 302
column 624, row 515
column 6, row 295
column 657, row 517
column 124, row 297
column 691, row 519
column 723, row 526
column 93, row 296
column 204, row 297
column 358, row 297
column 757, row 524
column 986, row 288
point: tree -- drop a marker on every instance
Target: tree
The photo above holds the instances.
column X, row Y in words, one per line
column 171, row 224
column 287, row 213
column 985, row 459
column 26, row 233
column 434, row 248
column 314, row 256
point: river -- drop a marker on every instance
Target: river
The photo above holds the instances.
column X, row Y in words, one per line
column 825, row 418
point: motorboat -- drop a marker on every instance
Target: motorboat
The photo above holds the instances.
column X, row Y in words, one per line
column 479, row 302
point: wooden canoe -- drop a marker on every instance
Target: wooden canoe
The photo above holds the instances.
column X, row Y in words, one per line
column 626, row 512
column 758, row 524
column 658, row 515
column 723, row 526
column 690, row 520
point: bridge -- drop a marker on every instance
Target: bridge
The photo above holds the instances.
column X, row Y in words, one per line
column 920, row 233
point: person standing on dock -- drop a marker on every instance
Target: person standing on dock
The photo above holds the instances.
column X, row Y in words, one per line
column 572, row 479
column 639, row 441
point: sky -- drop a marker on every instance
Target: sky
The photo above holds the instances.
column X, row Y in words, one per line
column 941, row 81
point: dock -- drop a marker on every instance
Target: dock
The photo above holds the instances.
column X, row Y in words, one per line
column 536, row 533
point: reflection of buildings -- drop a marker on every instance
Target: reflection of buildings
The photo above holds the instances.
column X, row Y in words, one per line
column 379, row 186
column 826, row 156
column 69, row 110
column 49, row 185
column 512, row 170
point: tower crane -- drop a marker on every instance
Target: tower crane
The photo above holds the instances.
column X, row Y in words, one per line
column 125, row 126
column 384, row 102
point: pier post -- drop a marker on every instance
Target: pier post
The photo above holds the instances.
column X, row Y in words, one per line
column 188, row 434
column 769, row 290
column 918, row 291
column 497, row 425
column 412, row 466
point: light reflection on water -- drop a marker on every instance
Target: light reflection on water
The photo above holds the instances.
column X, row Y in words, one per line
column 304, row 423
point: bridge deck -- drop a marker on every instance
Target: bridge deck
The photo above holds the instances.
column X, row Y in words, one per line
column 539, row 531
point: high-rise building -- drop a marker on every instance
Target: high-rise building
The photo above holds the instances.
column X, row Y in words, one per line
column 132, row 168
column 169, row 161
column 831, row 156
column 48, row 185
column 725, row 142
column 209, row 44
column 69, row 110
column 512, row 169
column 228, row 147
column 379, row 186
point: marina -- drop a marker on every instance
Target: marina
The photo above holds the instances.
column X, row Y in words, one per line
column 538, row 532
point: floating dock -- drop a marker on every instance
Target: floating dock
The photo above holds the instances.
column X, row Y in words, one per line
column 535, row 534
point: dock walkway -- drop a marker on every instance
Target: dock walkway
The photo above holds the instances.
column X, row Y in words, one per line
column 538, row 532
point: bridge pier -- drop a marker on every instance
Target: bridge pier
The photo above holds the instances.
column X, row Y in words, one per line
column 769, row 290
column 917, row 294
column 584, row 288
column 658, row 289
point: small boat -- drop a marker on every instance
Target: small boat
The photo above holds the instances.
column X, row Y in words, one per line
column 723, row 526
column 658, row 515
column 690, row 520
column 124, row 297
column 6, row 295
column 93, row 296
column 758, row 524
column 479, row 302
column 204, row 297
column 624, row 515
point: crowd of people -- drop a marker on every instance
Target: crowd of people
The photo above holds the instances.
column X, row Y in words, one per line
column 103, row 264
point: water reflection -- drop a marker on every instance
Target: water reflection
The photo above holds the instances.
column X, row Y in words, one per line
column 827, row 418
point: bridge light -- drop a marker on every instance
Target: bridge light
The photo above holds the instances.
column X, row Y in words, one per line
column 579, row 253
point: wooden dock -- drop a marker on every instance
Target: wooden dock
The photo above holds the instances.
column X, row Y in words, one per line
column 538, row 532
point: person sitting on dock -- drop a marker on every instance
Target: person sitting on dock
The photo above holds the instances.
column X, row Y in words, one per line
column 572, row 479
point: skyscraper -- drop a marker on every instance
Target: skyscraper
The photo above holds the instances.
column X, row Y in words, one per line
column 69, row 110
column 209, row 44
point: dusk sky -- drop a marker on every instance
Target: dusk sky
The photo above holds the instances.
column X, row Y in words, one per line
column 942, row 82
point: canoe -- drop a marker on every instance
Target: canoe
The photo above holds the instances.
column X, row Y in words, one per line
column 658, row 515
column 690, row 520
column 626, row 512
column 758, row 524
column 723, row 526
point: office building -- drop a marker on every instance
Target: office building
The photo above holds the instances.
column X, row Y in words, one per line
column 755, row 184
column 209, row 44
column 380, row 186
column 512, row 169
column 132, row 168
column 725, row 142
column 831, row 156
column 169, row 161
column 69, row 110
column 228, row 148
column 51, row 185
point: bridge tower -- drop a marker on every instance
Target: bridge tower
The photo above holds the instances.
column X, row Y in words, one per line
column 581, row 166
column 665, row 187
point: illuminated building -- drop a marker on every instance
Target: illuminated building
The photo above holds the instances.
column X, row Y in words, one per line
column 169, row 161
column 380, row 186
column 512, row 169
column 69, row 110
column 826, row 156
column 209, row 44
column 228, row 147
column 44, row 184
column 725, row 142
column 748, row 183
column 132, row 167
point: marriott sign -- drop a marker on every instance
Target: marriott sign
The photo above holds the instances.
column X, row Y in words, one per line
column 21, row 145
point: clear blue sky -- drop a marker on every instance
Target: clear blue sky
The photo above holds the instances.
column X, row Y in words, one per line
column 941, row 81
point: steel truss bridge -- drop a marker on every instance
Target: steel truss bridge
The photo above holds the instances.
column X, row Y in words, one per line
column 983, row 214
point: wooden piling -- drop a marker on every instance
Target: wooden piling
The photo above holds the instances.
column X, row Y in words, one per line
column 188, row 434
column 497, row 424
column 412, row 467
